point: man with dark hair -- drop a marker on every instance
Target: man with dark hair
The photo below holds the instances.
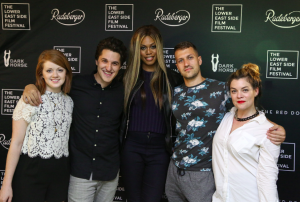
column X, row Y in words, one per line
column 199, row 105
column 113, row 44
column 94, row 144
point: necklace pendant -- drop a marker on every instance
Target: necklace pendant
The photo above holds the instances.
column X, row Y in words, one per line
column 55, row 130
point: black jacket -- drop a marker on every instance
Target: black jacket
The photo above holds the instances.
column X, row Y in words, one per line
column 175, row 79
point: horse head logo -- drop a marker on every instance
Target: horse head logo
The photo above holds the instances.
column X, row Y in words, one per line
column 6, row 58
column 214, row 63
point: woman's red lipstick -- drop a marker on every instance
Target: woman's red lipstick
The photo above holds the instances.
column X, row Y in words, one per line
column 240, row 102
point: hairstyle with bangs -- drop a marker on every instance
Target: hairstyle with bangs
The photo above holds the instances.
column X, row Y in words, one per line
column 57, row 58
column 133, row 70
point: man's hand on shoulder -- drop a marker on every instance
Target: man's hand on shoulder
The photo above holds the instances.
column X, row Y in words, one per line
column 32, row 95
column 276, row 134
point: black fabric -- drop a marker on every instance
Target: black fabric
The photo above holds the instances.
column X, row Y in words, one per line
column 94, row 142
column 175, row 79
column 145, row 163
column 37, row 179
column 146, row 117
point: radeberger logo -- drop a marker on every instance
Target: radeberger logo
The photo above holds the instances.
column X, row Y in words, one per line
column 69, row 19
column 289, row 20
column 178, row 18
column 5, row 143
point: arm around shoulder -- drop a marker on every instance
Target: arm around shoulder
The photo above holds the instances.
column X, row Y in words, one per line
column 276, row 134
column 32, row 95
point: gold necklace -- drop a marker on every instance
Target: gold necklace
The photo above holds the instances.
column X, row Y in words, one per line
column 55, row 125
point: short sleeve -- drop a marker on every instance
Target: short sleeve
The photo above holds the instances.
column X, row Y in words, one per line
column 72, row 103
column 227, row 98
column 23, row 111
column 226, row 103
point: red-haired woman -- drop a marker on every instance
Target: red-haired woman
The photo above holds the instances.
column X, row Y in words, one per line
column 37, row 161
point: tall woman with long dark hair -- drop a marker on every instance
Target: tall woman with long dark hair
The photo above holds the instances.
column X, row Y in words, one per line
column 147, row 127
